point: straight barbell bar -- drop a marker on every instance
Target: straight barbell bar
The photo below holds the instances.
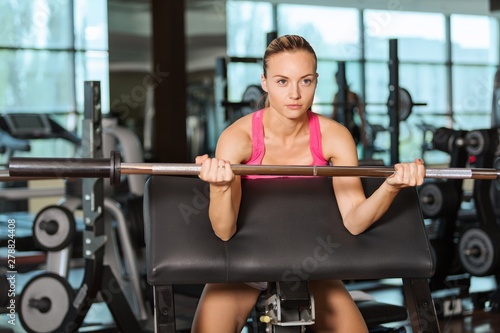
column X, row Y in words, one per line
column 113, row 168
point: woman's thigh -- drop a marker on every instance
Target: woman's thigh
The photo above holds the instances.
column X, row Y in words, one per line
column 335, row 308
column 224, row 307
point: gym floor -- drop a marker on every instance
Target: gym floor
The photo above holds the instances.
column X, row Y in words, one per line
column 471, row 321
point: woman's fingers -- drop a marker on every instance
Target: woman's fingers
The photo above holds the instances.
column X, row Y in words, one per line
column 408, row 174
column 215, row 171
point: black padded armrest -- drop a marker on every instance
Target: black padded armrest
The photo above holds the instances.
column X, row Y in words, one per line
column 289, row 229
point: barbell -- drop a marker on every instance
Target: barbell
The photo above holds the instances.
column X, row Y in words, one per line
column 113, row 168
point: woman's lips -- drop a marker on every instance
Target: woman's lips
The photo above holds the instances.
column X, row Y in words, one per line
column 294, row 106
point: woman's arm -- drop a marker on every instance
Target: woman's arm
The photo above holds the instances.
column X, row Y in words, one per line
column 360, row 215
column 225, row 187
column 225, row 194
column 358, row 212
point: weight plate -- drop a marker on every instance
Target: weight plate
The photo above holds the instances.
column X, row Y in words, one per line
column 54, row 228
column 253, row 94
column 431, row 200
column 477, row 252
column 44, row 302
column 476, row 142
column 405, row 104
column 443, row 139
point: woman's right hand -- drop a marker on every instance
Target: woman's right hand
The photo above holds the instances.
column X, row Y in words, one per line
column 215, row 171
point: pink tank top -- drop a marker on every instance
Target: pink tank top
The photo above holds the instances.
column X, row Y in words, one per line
column 258, row 147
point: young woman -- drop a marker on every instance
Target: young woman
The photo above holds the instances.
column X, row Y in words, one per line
column 287, row 132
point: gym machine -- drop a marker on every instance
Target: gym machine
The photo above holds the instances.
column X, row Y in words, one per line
column 20, row 129
column 9, row 144
column 464, row 241
column 399, row 105
column 343, row 104
column 440, row 201
column 258, row 251
column 478, row 246
column 16, row 132
column 48, row 303
column 399, row 101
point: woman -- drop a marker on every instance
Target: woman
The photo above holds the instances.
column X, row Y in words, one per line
column 287, row 132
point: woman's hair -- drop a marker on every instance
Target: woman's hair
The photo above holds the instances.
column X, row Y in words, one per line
column 286, row 43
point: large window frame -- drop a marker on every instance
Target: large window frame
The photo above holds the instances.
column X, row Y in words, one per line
column 437, row 84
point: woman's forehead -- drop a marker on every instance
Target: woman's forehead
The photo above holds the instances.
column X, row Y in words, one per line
column 292, row 62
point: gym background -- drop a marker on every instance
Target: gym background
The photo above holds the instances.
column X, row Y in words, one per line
column 176, row 73
column 155, row 56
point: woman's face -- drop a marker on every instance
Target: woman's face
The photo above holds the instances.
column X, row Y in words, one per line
column 291, row 82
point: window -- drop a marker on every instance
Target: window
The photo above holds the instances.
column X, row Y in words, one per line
column 474, row 39
column 333, row 32
column 248, row 23
column 421, row 36
column 474, row 44
column 48, row 48
column 446, row 62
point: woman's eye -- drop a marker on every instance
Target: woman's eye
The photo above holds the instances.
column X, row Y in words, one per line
column 307, row 81
column 282, row 81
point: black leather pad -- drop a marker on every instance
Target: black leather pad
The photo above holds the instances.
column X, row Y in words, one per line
column 289, row 229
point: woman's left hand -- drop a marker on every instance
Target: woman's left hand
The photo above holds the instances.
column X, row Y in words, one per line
column 407, row 174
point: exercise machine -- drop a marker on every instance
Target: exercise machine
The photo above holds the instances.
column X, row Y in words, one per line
column 111, row 274
column 327, row 250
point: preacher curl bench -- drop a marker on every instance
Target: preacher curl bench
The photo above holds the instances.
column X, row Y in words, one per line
column 289, row 231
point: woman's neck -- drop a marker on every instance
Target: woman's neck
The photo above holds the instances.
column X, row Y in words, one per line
column 279, row 126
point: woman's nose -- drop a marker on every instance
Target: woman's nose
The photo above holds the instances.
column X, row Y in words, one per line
column 294, row 92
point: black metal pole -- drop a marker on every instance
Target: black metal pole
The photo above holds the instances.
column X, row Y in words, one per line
column 393, row 108
column 342, row 98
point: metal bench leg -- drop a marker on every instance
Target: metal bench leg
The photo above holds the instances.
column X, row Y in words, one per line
column 164, row 309
column 420, row 306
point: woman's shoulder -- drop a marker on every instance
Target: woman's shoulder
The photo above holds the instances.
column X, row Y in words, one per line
column 335, row 136
column 241, row 126
column 331, row 130
column 329, row 125
column 237, row 137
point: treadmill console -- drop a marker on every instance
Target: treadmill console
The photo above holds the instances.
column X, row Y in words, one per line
column 27, row 125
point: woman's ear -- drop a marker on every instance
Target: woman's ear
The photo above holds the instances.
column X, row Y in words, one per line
column 263, row 82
